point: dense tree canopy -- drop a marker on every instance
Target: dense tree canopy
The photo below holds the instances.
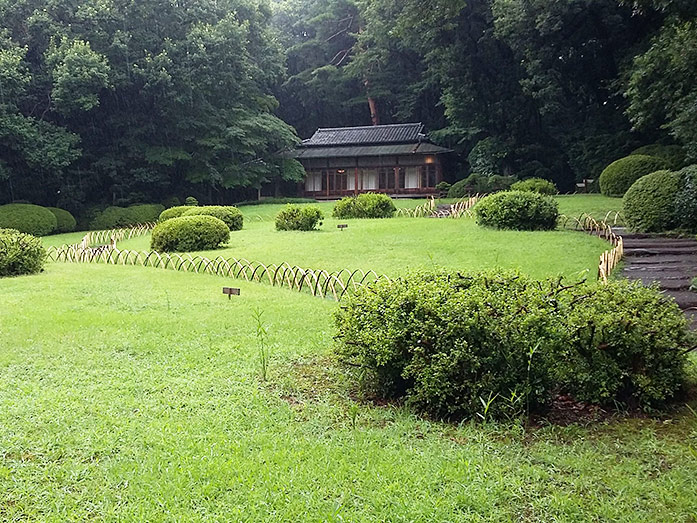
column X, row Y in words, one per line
column 123, row 101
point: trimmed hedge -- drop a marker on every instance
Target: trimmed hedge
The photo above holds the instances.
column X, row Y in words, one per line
column 619, row 176
column 686, row 199
column 498, row 344
column 674, row 155
column 28, row 218
column 232, row 216
column 367, row 205
column 538, row 185
column 480, row 184
column 189, row 233
column 649, row 204
column 297, row 218
column 191, row 201
column 20, row 253
column 173, row 212
column 116, row 217
column 65, row 221
column 518, row 210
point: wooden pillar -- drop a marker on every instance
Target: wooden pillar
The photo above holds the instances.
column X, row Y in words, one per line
column 396, row 179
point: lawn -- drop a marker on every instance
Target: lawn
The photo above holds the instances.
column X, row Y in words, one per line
column 134, row 394
column 395, row 245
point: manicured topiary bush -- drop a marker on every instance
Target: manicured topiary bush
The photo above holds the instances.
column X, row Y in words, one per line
column 297, row 218
column 367, row 205
column 174, row 212
column 686, row 199
column 20, row 253
column 115, row 217
column 28, row 218
column 538, row 185
column 619, row 176
column 674, row 155
column 443, row 186
column 649, row 204
column 480, row 184
column 500, row 344
column 524, row 211
column 232, row 216
column 190, row 201
column 189, row 233
column 65, row 221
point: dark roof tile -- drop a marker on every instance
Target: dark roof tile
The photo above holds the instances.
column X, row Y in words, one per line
column 370, row 135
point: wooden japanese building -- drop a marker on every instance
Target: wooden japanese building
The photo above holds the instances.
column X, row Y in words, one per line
column 393, row 159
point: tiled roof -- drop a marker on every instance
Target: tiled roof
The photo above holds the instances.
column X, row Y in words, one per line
column 368, row 150
column 370, row 135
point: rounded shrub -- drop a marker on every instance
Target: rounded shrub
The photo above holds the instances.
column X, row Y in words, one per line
column 28, row 218
column 619, row 176
column 116, row 217
column 366, row 205
column 172, row 201
column 20, row 253
column 518, row 210
column 674, row 155
column 480, row 184
column 686, row 199
column 500, row 344
column 299, row 218
column 649, row 204
column 232, row 216
column 190, row 201
column 173, row 212
column 145, row 213
column 65, row 221
column 538, row 185
column 189, row 233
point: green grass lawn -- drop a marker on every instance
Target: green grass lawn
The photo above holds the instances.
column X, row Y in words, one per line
column 133, row 394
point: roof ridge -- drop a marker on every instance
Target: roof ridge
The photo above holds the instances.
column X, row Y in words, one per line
column 369, row 126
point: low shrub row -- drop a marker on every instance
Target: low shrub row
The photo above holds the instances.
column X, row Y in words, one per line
column 189, row 233
column 115, row 217
column 517, row 210
column 20, row 253
column 621, row 174
column 538, row 185
column 232, row 216
column 36, row 220
column 367, row 205
column 500, row 344
column 480, row 184
column 297, row 218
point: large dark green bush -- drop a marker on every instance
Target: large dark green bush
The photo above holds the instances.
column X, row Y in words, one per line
column 297, row 218
column 619, row 176
column 232, row 216
column 28, row 218
column 649, row 204
column 500, row 344
column 686, row 199
column 172, row 201
column 480, row 184
column 20, row 253
column 524, row 211
column 115, row 217
column 538, row 185
column 65, row 221
column 174, row 212
column 190, row 201
column 367, row 205
column 674, row 155
column 189, row 233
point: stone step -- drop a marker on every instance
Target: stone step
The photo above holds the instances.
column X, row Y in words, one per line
column 655, row 244
column 659, row 251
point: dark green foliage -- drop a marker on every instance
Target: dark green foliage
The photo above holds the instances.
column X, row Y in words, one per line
column 115, row 217
column 20, row 253
column 686, row 199
column 619, row 176
column 367, row 205
column 674, row 155
column 297, row 218
column 173, row 212
column 28, row 218
column 189, row 233
column 272, row 201
column 191, row 201
column 480, row 184
column 499, row 344
column 232, row 216
column 65, row 221
column 538, row 185
column 172, row 201
column 524, row 211
column 649, row 204
column 443, row 186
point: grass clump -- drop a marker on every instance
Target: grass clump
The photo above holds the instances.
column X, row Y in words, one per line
column 517, row 210
column 297, row 218
column 20, row 253
column 232, row 216
column 366, row 205
column 28, row 218
column 189, row 233
column 501, row 345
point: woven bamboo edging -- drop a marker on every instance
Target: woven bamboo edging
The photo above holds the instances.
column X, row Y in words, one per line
column 609, row 259
column 429, row 209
